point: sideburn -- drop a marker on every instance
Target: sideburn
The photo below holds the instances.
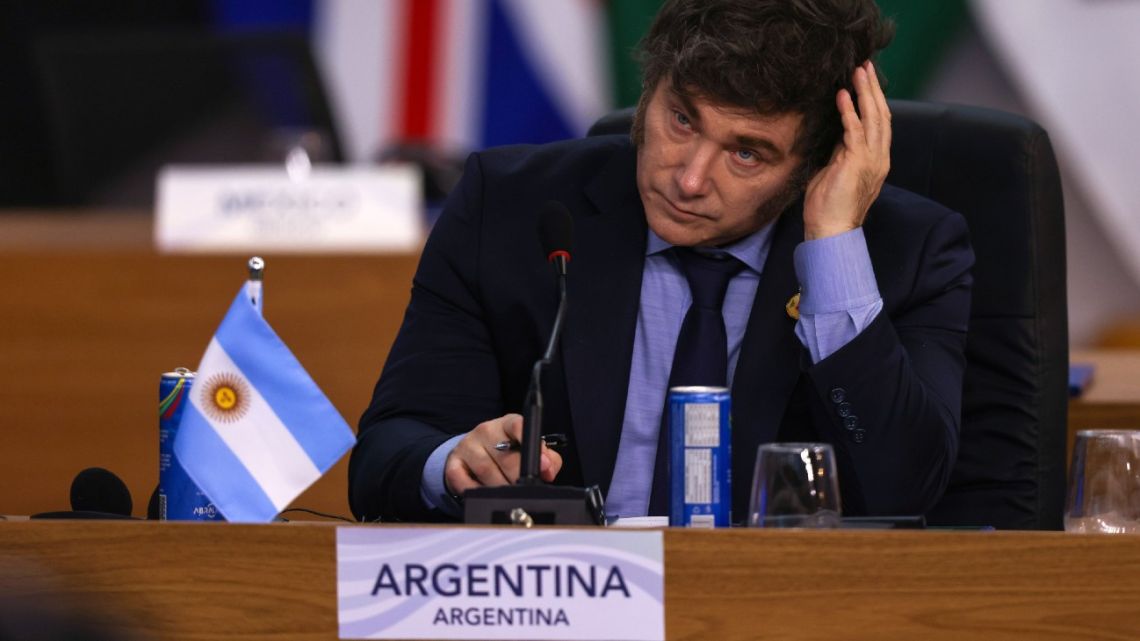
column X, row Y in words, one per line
column 792, row 191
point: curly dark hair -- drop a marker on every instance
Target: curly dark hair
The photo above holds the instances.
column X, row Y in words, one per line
column 770, row 56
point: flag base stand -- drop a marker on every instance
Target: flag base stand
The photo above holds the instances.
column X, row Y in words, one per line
column 529, row 505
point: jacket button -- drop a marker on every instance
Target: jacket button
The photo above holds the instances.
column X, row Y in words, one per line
column 844, row 409
column 859, row 435
column 838, row 395
column 850, row 421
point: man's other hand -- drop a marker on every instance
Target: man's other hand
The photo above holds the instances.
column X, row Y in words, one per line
column 840, row 194
column 475, row 462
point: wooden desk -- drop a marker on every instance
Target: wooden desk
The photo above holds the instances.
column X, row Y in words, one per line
column 223, row 581
column 1113, row 398
column 1112, row 401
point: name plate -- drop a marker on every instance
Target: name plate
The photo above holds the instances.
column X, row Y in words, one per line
column 478, row 583
column 256, row 208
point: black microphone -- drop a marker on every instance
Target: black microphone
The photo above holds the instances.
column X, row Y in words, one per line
column 556, row 231
column 154, row 507
column 531, row 501
column 96, row 493
column 98, row 490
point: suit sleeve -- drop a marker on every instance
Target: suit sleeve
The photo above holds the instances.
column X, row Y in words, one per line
column 441, row 377
column 890, row 400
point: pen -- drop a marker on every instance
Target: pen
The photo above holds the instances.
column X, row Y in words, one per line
column 555, row 441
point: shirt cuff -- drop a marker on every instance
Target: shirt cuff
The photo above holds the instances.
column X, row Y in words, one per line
column 835, row 273
column 433, row 490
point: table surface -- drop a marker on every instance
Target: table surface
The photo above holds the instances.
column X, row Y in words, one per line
column 1112, row 400
column 225, row 581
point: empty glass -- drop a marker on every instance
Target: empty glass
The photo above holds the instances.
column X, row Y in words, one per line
column 795, row 485
column 1104, row 483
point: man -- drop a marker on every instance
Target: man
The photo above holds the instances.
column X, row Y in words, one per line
column 762, row 141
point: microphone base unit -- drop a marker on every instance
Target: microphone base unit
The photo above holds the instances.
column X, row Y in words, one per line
column 529, row 505
column 84, row 515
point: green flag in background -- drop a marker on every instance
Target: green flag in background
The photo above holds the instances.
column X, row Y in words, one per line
column 628, row 22
column 924, row 31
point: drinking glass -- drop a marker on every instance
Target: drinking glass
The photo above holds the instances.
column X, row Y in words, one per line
column 1104, row 483
column 795, row 485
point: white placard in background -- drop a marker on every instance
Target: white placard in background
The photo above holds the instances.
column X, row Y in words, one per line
column 483, row 583
column 260, row 208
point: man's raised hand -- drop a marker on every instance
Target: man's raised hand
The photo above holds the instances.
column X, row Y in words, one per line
column 840, row 194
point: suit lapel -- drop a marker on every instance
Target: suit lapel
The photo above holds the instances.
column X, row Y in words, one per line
column 769, row 362
column 604, row 289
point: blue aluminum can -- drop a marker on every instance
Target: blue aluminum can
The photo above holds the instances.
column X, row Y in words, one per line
column 179, row 499
column 700, row 457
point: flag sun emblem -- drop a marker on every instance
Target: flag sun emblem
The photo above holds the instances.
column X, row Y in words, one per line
column 225, row 397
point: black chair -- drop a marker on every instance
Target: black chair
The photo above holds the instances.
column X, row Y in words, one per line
column 999, row 171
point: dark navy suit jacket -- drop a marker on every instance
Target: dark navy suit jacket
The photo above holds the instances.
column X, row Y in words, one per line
column 483, row 303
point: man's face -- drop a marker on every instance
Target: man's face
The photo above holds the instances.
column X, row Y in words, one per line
column 710, row 175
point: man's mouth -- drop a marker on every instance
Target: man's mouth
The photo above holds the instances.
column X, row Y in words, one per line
column 680, row 212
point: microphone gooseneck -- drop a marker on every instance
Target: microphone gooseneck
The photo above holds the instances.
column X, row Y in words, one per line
column 556, row 233
column 531, row 501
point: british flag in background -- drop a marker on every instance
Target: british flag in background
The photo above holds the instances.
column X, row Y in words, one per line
column 459, row 75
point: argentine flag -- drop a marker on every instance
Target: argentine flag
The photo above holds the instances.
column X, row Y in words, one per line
column 258, row 430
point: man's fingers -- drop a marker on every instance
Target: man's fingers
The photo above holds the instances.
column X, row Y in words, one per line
column 550, row 463
column 463, row 473
column 513, row 426
column 457, row 478
column 508, row 462
column 877, row 91
column 475, row 461
column 847, row 113
column 868, row 106
column 485, row 468
column 884, row 145
column 854, row 137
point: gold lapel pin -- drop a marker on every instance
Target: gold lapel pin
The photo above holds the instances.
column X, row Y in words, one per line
column 793, row 307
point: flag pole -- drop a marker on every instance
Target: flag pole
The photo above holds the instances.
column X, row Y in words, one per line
column 256, row 273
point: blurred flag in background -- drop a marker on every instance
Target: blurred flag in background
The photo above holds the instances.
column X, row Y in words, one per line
column 460, row 75
column 463, row 74
column 1074, row 64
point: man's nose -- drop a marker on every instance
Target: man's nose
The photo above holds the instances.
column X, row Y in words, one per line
column 693, row 174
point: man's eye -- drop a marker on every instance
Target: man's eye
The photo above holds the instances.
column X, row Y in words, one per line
column 747, row 155
column 681, row 118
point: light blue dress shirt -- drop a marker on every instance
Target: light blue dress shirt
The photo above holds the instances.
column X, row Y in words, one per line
column 839, row 298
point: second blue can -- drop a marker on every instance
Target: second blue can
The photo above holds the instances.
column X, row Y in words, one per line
column 700, row 457
column 179, row 499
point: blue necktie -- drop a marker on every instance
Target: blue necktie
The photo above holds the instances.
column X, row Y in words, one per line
column 701, row 356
